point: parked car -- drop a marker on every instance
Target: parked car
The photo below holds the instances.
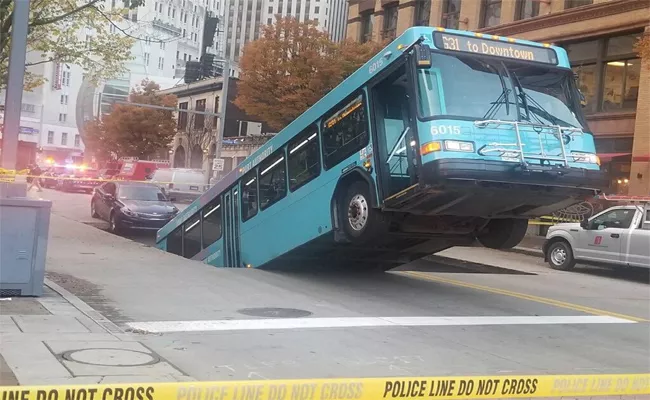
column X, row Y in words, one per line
column 78, row 180
column 181, row 183
column 132, row 205
column 617, row 236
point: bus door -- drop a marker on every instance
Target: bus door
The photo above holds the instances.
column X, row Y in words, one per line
column 395, row 132
column 231, row 228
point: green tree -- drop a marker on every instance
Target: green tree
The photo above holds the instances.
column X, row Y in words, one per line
column 131, row 130
column 57, row 34
column 291, row 67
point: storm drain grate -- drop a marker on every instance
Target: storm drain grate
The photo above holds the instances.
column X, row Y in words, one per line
column 10, row 292
column 275, row 312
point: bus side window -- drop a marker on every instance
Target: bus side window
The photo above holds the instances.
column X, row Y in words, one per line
column 175, row 241
column 192, row 236
column 345, row 132
column 249, row 195
column 303, row 158
column 273, row 183
column 211, row 222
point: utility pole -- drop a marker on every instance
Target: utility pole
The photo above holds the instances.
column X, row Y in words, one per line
column 14, row 96
column 222, row 120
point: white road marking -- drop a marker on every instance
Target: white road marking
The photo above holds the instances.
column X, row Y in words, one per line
column 360, row 322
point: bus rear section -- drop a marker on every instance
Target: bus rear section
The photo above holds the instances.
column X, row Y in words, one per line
column 421, row 149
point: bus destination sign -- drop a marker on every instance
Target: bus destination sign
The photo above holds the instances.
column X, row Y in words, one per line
column 489, row 47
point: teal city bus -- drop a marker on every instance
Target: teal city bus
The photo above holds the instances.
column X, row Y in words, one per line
column 442, row 139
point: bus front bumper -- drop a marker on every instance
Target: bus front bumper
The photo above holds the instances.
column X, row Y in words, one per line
column 452, row 171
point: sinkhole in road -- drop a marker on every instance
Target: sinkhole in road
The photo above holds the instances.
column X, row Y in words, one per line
column 272, row 312
column 111, row 357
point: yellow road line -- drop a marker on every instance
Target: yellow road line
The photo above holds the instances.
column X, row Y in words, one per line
column 523, row 296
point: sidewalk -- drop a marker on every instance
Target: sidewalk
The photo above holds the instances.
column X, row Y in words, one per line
column 58, row 339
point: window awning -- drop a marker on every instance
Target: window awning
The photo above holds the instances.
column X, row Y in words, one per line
column 607, row 157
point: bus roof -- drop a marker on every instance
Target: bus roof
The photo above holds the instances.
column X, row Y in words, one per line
column 351, row 84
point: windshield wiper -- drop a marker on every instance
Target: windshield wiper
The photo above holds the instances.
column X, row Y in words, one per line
column 502, row 99
column 534, row 107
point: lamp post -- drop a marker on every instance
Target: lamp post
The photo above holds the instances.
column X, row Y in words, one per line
column 14, row 95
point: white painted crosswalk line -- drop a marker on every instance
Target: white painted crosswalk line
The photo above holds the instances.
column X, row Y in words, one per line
column 363, row 322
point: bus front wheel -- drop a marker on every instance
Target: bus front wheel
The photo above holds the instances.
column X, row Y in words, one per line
column 503, row 233
column 359, row 220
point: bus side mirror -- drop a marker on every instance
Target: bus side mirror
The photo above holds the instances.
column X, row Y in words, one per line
column 583, row 100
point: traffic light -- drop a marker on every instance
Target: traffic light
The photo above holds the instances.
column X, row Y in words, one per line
column 207, row 65
column 209, row 29
column 192, row 71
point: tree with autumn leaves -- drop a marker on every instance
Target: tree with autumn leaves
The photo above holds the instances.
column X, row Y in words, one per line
column 55, row 34
column 292, row 66
column 132, row 130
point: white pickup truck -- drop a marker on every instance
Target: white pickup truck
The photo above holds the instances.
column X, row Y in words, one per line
column 619, row 236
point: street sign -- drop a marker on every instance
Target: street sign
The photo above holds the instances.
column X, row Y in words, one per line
column 217, row 164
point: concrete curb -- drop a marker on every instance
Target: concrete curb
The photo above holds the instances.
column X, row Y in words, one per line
column 527, row 251
column 85, row 309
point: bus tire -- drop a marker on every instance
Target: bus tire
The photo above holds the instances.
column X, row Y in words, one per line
column 359, row 220
column 503, row 233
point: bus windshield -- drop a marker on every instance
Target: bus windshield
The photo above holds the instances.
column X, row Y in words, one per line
column 479, row 89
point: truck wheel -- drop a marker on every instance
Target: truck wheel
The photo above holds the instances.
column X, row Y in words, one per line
column 560, row 256
column 359, row 220
column 503, row 233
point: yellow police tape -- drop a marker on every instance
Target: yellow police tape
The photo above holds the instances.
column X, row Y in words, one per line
column 81, row 179
column 476, row 387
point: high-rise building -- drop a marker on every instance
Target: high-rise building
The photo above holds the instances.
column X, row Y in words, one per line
column 331, row 15
column 242, row 21
column 599, row 36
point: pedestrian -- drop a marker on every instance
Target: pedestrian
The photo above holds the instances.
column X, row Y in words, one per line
column 34, row 177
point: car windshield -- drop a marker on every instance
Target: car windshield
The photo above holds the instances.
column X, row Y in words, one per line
column 143, row 193
column 479, row 89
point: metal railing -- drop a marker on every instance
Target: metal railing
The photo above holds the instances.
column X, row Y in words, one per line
column 516, row 150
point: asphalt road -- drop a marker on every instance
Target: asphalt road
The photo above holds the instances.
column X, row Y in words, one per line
column 477, row 312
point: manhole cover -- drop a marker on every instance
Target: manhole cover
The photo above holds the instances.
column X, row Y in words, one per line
column 275, row 312
column 111, row 357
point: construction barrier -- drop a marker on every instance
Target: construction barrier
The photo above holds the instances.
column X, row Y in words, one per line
column 475, row 387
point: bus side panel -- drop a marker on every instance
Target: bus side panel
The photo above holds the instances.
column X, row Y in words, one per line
column 297, row 219
column 215, row 254
column 162, row 245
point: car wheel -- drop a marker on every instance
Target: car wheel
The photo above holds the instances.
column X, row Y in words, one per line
column 93, row 209
column 114, row 224
column 560, row 256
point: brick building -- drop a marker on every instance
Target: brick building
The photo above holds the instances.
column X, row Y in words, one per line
column 599, row 36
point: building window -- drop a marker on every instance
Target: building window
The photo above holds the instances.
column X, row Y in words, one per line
column 178, row 54
column 577, row 3
column 161, row 62
column 316, row 10
column 199, row 119
column 608, row 72
column 64, row 99
column 390, row 22
column 526, row 9
column 270, row 10
column 77, row 141
column 146, row 58
column 65, row 78
column 63, row 117
column 182, row 116
column 366, row 27
column 50, row 137
column 269, row 21
column 64, row 139
column 490, row 13
column 216, row 109
column 451, row 14
column 422, row 12
column 162, row 45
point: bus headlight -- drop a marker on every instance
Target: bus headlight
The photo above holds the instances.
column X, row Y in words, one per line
column 588, row 158
column 456, row 145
